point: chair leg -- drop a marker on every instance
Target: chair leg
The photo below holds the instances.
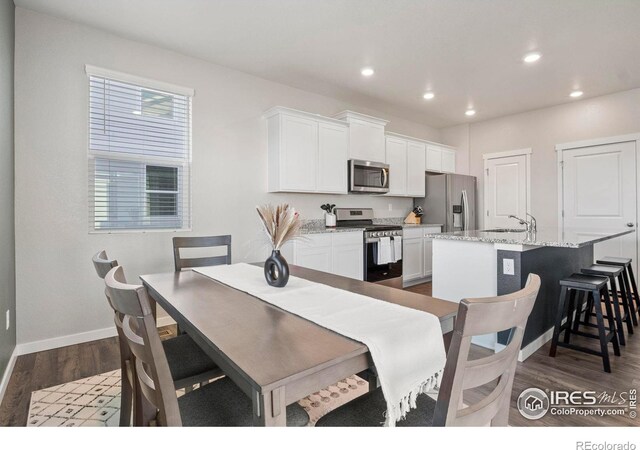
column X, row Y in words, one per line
column 612, row 324
column 604, row 349
column 559, row 317
column 616, row 309
column 126, row 396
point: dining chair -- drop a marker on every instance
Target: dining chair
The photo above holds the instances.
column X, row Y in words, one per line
column 220, row 403
column 476, row 316
column 201, row 242
column 188, row 364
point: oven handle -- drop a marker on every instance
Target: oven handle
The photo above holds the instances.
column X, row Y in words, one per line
column 377, row 239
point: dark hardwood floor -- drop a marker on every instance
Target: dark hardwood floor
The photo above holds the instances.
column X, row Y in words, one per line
column 570, row 370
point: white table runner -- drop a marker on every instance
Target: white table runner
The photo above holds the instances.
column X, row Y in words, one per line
column 406, row 344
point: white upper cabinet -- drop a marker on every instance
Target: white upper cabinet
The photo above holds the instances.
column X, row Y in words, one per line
column 333, row 142
column 406, row 159
column 434, row 158
column 307, row 152
column 441, row 158
column 397, row 160
column 416, row 169
column 448, row 160
column 366, row 136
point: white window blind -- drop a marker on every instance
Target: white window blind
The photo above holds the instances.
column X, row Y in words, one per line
column 139, row 157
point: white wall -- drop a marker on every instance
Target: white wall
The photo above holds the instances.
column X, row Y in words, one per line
column 58, row 292
column 541, row 130
column 7, row 247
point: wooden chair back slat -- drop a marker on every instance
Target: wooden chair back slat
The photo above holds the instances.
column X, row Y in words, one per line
column 200, row 242
column 477, row 317
column 139, row 328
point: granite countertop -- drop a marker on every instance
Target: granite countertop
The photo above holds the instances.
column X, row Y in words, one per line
column 421, row 225
column 573, row 238
column 314, row 226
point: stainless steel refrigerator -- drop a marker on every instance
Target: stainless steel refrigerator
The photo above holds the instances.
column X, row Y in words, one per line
column 450, row 200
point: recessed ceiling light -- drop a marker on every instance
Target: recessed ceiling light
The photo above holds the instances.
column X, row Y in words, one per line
column 428, row 95
column 576, row 94
column 367, row 71
column 470, row 112
column 531, row 57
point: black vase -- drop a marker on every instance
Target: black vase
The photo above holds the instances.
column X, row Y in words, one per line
column 276, row 270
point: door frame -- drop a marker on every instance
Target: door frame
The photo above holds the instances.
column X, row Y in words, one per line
column 560, row 148
column 497, row 155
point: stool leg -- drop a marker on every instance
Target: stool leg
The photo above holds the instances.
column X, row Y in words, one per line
column 632, row 292
column 616, row 306
column 635, row 288
column 612, row 324
column 625, row 298
column 559, row 316
column 604, row 348
column 582, row 298
column 570, row 311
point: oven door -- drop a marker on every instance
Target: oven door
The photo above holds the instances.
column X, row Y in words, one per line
column 368, row 176
column 389, row 274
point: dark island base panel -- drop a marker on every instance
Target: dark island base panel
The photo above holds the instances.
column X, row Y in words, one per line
column 551, row 264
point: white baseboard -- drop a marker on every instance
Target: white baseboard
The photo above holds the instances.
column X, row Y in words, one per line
column 535, row 345
column 7, row 373
column 64, row 341
column 531, row 348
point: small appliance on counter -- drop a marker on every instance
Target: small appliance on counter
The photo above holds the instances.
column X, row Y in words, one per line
column 415, row 216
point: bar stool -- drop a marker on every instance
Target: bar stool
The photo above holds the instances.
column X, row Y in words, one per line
column 630, row 281
column 613, row 273
column 593, row 287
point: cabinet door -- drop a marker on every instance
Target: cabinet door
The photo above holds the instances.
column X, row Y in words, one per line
column 448, row 161
column 412, row 259
column 333, row 147
column 415, row 169
column 314, row 252
column 348, row 260
column 299, row 154
column 434, row 158
column 397, row 160
column 427, row 245
column 366, row 141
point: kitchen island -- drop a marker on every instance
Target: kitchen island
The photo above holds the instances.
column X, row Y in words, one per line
column 468, row 264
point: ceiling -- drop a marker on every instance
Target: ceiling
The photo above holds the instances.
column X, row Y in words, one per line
column 468, row 52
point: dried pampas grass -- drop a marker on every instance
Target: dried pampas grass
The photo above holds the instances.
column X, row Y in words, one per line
column 281, row 223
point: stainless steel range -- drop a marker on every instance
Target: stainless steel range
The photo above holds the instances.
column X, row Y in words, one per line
column 382, row 257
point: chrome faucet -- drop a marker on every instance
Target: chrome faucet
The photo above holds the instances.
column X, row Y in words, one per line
column 531, row 225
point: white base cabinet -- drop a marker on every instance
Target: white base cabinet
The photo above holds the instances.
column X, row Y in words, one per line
column 417, row 250
column 337, row 253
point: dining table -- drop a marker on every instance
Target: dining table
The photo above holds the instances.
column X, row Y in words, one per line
column 274, row 356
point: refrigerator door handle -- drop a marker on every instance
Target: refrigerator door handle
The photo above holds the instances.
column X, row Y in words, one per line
column 465, row 210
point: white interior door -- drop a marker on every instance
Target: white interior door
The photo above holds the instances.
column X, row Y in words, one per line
column 599, row 194
column 506, row 193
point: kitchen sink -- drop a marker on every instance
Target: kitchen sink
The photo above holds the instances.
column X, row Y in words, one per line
column 505, row 230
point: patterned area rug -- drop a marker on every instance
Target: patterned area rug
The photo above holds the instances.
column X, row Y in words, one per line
column 95, row 401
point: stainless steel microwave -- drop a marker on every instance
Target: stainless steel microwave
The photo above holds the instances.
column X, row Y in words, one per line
column 368, row 177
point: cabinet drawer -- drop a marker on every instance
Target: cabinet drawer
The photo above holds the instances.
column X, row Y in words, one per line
column 431, row 230
column 411, row 233
column 346, row 238
column 314, row 240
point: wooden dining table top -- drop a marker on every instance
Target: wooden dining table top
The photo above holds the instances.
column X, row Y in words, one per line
column 267, row 346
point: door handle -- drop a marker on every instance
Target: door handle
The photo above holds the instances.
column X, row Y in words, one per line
column 630, row 224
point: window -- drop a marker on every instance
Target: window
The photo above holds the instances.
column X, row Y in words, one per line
column 139, row 154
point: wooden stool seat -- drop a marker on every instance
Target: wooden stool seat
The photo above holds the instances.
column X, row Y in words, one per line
column 582, row 281
column 629, row 280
